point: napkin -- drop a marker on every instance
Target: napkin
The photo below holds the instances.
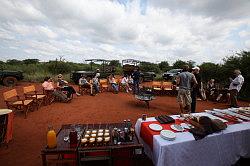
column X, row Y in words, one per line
column 164, row 119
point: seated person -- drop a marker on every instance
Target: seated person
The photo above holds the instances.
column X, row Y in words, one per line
column 63, row 85
column 51, row 92
column 210, row 88
column 114, row 85
column 48, row 84
column 130, row 81
column 223, row 95
column 125, row 83
column 96, row 84
column 83, row 82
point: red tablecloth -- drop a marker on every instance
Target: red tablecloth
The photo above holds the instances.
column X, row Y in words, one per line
column 147, row 134
column 9, row 133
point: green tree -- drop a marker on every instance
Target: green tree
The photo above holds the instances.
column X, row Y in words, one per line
column 115, row 63
column 179, row 64
column 31, row 61
column 191, row 63
column 210, row 70
column 57, row 67
column 13, row 62
column 2, row 65
column 147, row 66
column 164, row 66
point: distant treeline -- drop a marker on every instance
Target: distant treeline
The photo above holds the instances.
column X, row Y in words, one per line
column 35, row 71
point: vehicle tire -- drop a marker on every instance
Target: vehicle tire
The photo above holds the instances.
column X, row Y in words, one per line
column 9, row 81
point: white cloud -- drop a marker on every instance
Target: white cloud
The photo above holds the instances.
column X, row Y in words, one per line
column 81, row 29
column 247, row 43
column 244, row 33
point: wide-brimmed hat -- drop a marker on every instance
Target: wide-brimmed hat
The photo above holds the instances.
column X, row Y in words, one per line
column 59, row 76
column 196, row 68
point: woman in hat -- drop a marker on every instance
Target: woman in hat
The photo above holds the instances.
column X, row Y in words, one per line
column 63, row 85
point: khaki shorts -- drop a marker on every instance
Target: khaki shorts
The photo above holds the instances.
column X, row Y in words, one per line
column 184, row 97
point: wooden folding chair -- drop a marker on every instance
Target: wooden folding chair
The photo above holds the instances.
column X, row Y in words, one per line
column 122, row 87
column 31, row 93
column 49, row 96
column 12, row 100
column 104, row 85
column 85, row 89
column 157, row 87
column 167, row 87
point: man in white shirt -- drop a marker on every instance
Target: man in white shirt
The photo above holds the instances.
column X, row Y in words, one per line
column 235, row 87
column 84, row 83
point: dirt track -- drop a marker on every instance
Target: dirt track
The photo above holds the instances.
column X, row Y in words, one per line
column 30, row 134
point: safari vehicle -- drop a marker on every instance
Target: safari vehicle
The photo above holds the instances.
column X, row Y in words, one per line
column 10, row 78
column 171, row 74
column 129, row 65
column 105, row 70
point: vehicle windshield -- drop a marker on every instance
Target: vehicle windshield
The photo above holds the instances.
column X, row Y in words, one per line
column 174, row 71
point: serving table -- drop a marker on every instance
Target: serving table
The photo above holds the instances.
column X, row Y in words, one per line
column 125, row 152
column 63, row 148
column 222, row 148
column 6, row 125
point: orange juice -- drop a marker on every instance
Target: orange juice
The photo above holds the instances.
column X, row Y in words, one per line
column 51, row 138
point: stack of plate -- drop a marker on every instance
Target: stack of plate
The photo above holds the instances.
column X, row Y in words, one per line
column 177, row 127
column 168, row 135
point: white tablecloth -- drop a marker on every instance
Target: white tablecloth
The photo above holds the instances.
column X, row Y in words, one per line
column 219, row 149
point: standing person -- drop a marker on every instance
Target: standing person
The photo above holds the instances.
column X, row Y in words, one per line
column 195, row 88
column 184, row 80
column 235, row 86
column 97, row 73
column 136, row 80
column 96, row 84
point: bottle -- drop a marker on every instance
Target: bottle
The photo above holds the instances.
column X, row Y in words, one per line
column 115, row 136
column 125, row 123
column 129, row 125
column 126, row 134
column 120, row 135
column 51, row 137
column 73, row 138
column 131, row 134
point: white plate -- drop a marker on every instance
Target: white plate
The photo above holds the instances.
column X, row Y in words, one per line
column 168, row 135
column 5, row 111
column 155, row 127
column 185, row 126
column 177, row 127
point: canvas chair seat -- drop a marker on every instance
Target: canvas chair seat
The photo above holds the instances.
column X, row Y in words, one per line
column 38, row 96
column 19, row 102
column 104, row 84
column 157, row 87
column 167, row 88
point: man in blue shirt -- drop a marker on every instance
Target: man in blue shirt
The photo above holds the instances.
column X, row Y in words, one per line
column 136, row 80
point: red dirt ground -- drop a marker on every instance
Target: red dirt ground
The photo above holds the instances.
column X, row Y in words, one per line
column 30, row 134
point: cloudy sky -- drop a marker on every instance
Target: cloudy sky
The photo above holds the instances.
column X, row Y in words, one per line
column 148, row 30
